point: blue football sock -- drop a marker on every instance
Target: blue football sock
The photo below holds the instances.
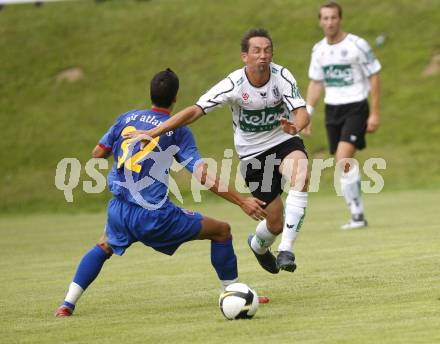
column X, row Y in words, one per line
column 90, row 266
column 223, row 259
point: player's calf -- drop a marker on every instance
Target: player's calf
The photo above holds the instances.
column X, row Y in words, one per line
column 224, row 261
column 88, row 269
column 296, row 204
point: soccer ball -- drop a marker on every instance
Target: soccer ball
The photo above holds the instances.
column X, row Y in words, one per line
column 238, row 301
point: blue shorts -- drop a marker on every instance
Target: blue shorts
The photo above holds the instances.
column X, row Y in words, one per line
column 164, row 229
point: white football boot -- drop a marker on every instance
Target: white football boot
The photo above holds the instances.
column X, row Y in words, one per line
column 356, row 222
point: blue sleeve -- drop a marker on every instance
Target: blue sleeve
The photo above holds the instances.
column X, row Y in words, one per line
column 188, row 154
column 111, row 136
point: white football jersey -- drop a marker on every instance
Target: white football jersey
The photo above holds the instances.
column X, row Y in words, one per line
column 256, row 111
column 344, row 67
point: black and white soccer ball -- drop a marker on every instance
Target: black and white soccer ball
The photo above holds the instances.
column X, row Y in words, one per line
column 238, row 301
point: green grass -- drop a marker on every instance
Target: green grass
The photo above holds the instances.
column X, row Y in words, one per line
column 378, row 285
column 374, row 286
column 120, row 44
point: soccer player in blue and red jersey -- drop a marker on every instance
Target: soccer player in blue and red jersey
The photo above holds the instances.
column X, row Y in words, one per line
column 141, row 210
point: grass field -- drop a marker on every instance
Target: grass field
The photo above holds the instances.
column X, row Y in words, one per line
column 118, row 45
column 379, row 285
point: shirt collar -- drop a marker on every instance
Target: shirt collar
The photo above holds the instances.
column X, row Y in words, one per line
column 159, row 109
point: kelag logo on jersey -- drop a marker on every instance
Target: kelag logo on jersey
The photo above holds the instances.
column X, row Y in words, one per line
column 261, row 120
column 338, row 75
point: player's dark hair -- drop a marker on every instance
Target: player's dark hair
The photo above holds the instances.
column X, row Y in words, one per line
column 163, row 88
column 254, row 33
column 331, row 4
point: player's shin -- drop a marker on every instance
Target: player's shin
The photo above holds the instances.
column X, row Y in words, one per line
column 262, row 239
column 224, row 261
column 88, row 269
column 350, row 186
column 296, row 204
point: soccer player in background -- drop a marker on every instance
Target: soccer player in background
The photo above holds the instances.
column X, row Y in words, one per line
column 268, row 112
column 140, row 209
column 346, row 67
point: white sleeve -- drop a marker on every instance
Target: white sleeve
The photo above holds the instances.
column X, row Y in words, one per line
column 315, row 68
column 369, row 63
column 218, row 95
column 290, row 91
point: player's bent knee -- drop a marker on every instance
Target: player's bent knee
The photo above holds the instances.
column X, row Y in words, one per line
column 305, row 187
column 275, row 227
column 102, row 243
column 224, row 232
column 213, row 229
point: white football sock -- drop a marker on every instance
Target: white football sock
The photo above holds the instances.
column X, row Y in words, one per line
column 262, row 239
column 350, row 186
column 296, row 204
column 225, row 283
column 74, row 293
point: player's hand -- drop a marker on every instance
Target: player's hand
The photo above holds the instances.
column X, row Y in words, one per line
column 138, row 135
column 253, row 207
column 373, row 123
column 288, row 126
column 307, row 131
column 135, row 136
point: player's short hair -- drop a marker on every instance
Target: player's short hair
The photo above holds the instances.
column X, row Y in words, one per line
column 331, row 4
column 163, row 88
column 254, row 33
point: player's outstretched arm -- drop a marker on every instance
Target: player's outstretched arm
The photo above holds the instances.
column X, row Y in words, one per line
column 180, row 119
column 250, row 205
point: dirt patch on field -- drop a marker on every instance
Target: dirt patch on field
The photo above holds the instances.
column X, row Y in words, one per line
column 433, row 68
column 72, row 74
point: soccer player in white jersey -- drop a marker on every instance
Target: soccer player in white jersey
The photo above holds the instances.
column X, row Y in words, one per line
column 268, row 113
column 346, row 67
